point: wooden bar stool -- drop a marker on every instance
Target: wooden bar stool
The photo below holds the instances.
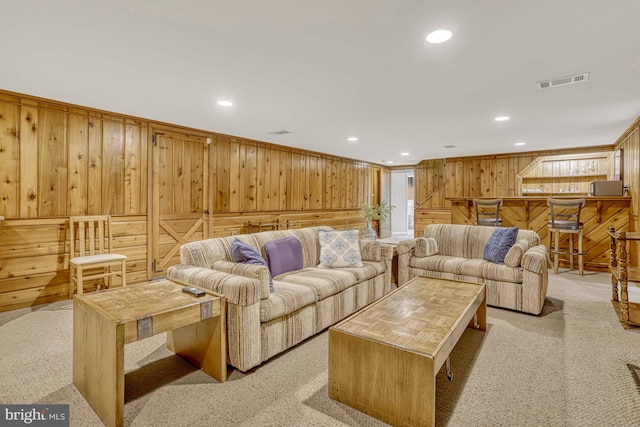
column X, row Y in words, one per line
column 488, row 212
column 565, row 218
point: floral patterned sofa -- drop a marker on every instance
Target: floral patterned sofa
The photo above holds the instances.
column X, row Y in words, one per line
column 263, row 318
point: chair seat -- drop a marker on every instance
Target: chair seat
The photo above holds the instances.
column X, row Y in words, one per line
column 92, row 259
column 565, row 225
column 485, row 221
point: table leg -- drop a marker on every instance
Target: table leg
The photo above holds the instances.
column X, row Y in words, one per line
column 481, row 316
column 98, row 362
column 204, row 344
column 479, row 320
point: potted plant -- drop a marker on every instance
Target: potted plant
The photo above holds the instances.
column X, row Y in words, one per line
column 374, row 213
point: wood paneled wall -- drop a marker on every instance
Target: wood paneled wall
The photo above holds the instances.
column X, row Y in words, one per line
column 252, row 176
column 478, row 176
column 59, row 160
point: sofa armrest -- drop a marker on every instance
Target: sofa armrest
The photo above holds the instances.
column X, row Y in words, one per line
column 406, row 246
column 535, row 259
column 236, row 289
column 425, row 247
column 251, row 271
column 371, row 250
column 405, row 250
column 535, row 279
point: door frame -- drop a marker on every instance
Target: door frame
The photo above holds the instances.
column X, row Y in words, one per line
column 153, row 201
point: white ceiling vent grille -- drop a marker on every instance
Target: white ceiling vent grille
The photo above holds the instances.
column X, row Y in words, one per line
column 562, row 81
column 279, row 132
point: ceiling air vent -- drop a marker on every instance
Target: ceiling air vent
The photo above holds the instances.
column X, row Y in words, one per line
column 279, row 132
column 562, row 81
column 449, row 146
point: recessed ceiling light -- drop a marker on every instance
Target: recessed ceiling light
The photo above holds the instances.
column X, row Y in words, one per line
column 387, row 161
column 439, row 36
column 352, row 139
column 501, row 118
column 520, row 143
column 404, row 154
column 224, row 103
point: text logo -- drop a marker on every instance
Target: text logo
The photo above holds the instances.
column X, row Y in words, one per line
column 34, row 415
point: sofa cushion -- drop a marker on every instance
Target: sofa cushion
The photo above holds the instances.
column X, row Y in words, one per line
column 286, row 298
column 328, row 282
column 244, row 253
column 499, row 244
column 514, row 256
column 339, row 249
column 448, row 276
column 284, row 255
column 501, row 273
column 450, row 264
column 459, row 240
column 468, row 267
column 308, row 238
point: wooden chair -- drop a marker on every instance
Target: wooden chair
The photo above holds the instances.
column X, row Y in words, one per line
column 565, row 218
column 90, row 248
column 488, row 212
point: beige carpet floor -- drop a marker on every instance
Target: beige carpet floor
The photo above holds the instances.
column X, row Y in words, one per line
column 572, row 366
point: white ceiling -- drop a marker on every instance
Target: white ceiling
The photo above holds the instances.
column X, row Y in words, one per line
column 327, row 70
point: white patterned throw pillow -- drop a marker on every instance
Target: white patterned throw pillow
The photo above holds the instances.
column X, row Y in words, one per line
column 339, row 249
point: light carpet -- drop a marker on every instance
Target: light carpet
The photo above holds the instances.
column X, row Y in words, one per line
column 573, row 365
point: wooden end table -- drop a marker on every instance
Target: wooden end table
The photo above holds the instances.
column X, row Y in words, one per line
column 394, row 261
column 104, row 321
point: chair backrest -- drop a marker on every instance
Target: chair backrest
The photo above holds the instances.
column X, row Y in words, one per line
column 487, row 210
column 89, row 235
column 565, row 213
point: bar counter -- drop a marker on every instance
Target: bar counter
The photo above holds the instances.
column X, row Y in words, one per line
column 532, row 213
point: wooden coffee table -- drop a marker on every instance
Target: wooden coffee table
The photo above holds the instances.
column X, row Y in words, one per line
column 104, row 321
column 383, row 360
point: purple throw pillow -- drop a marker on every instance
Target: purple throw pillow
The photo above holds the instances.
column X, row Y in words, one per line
column 499, row 244
column 284, row 255
column 242, row 252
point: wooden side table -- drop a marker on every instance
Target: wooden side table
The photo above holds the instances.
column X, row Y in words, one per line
column 104, row 321
column 621, row 274
column 394, row 261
